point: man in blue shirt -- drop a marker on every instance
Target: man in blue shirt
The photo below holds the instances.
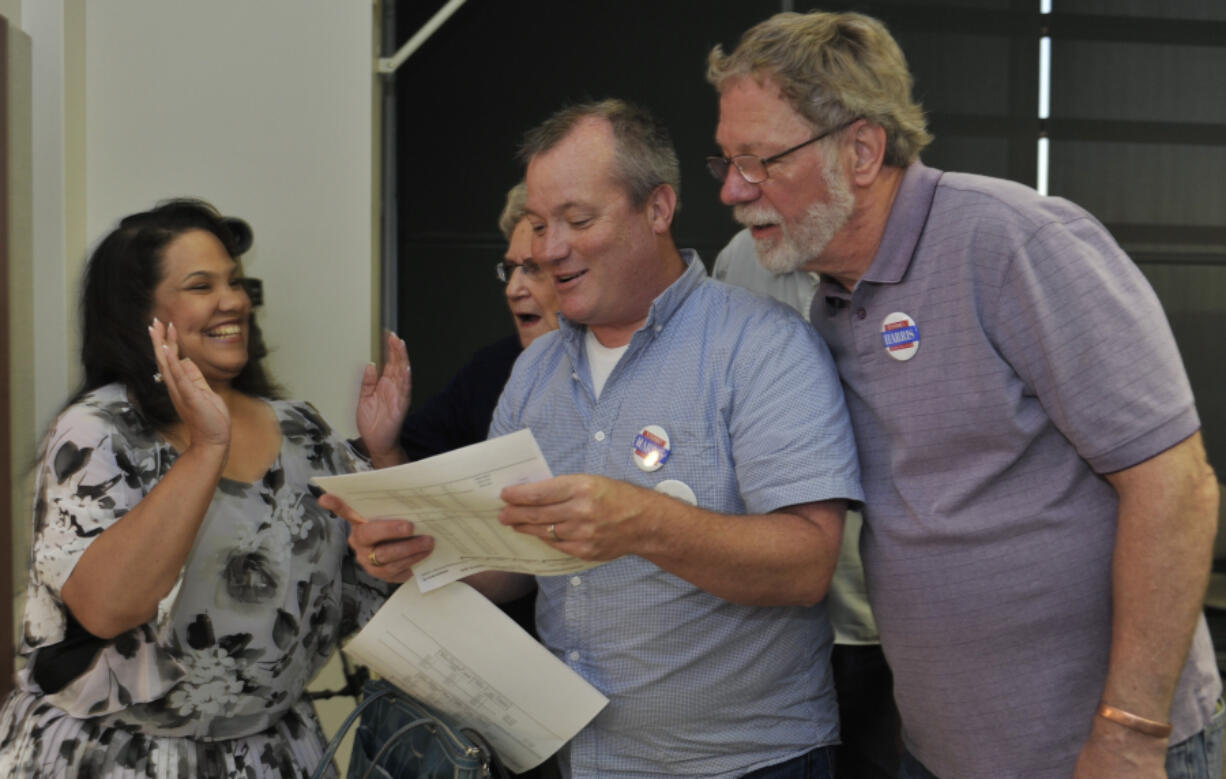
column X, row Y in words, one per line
column 674, row 406
column 702, row 448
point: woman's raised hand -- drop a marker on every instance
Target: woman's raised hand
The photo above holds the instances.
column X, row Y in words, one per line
column 382, row 404
column 200, row 408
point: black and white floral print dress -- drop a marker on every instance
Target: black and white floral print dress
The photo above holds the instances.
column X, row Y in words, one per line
column 213, row 685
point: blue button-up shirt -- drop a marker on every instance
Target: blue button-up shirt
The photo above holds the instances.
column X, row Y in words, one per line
column 755, row 419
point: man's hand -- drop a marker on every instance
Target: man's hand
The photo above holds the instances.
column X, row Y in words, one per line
column 385, row 548
column 1113, row 751
column 589, row 517
column 785, row 557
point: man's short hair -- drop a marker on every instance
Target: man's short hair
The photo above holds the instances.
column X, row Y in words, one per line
column 832, row 68
column 645, row 157
column 514, row 210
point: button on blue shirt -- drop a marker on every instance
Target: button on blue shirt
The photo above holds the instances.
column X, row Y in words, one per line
column 749, row 398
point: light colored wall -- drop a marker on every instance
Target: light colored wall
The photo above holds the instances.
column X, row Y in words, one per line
column 45, row 23
column 264, row 109
column 18, row 289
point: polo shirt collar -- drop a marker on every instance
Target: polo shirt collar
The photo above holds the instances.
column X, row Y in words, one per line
column 903, row 228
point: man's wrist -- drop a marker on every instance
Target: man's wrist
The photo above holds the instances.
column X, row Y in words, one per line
column 1134, row 722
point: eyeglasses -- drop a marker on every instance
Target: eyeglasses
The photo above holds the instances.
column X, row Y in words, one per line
column 753, row 168
column 506, row 268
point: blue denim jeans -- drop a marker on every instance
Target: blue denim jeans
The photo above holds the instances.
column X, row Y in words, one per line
column 1199, row 757
column 815, row 764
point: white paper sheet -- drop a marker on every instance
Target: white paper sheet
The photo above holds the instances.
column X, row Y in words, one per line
column 459, row 653
column 454, row 497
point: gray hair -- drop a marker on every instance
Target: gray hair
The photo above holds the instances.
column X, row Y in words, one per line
column 644, row 157
column 832, row 68
column 514, row 210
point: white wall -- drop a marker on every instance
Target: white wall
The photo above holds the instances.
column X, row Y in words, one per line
column 56, row 347
column 264, row 109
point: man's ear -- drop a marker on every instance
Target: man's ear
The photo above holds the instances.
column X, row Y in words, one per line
column 868, row 141
column 661, row 206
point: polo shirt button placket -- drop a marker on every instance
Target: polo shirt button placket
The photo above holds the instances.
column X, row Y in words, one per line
column 858, row 313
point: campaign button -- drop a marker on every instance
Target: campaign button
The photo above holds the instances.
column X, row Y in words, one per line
column 651, row 448
column 900, row 336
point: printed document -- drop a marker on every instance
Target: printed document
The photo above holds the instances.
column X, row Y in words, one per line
column 454, row 497
column 457, row 652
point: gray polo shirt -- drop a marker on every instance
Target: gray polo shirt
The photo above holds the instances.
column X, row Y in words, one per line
column 998, row 356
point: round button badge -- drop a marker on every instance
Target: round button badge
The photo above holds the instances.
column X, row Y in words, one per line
column 679, row 490
column 651, row 448
column 900, row 336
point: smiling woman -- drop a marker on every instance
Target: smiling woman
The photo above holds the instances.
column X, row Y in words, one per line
column 201, row 291
column 184, row 584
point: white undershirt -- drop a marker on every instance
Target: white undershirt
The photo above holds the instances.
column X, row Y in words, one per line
column 601, row 360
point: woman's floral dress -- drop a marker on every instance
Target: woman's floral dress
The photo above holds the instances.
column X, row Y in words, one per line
column 213, row 685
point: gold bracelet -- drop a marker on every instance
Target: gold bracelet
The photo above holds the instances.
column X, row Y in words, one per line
column 1131, row 721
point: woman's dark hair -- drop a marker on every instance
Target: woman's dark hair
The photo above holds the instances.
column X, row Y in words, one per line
column 117, row 305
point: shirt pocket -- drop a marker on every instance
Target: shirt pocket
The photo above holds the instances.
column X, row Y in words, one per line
column 694, row 458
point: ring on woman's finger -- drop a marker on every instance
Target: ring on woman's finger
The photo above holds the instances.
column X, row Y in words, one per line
column 374, row 559
column 157, row 378
column 553, row 534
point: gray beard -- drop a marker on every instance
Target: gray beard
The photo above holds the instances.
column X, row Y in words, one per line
column 804, row 241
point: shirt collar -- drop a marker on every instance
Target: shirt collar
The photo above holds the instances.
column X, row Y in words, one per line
column 662, row 308
column 903, row 229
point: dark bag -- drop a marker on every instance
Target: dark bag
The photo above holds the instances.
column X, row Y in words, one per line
column 400, row 737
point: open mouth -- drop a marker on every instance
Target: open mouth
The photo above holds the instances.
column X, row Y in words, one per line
column 527, row 320
column 225, row 332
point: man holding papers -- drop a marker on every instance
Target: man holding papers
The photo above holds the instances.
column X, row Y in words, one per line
column 704, row 451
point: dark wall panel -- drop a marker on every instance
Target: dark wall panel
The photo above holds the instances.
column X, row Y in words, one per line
column 495, row 69
column 1194, row 296
column 466, row 97
column 1136, row 120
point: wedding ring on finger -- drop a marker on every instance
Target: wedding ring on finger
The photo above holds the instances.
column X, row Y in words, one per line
column 374, row 559
column 553, row 536
column 157, row 378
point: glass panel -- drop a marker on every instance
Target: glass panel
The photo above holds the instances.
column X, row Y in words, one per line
column 943, row 81
column 1142, row 183
column 986, row 156
column 1192, row 296
column 1159, row 9
column 1138, row 81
